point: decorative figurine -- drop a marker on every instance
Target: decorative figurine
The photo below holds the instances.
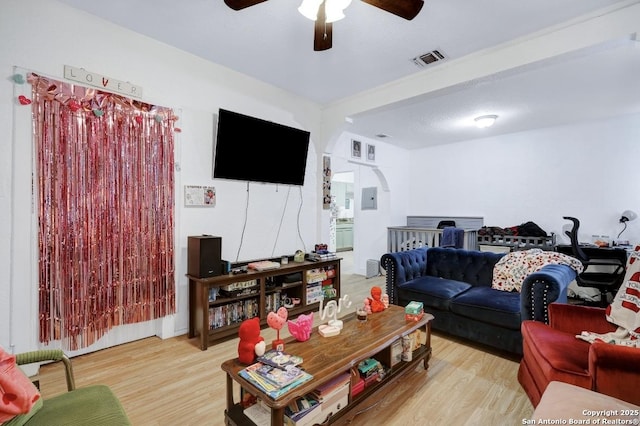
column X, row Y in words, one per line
column 276, row 321
column 376, row 300
column 300, row 328
column 367, row 306
column 332, row 309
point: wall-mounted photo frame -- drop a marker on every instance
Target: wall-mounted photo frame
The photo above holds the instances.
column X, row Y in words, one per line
column 326, row 182
column 371, row 152
column 356, row 149
column 199, row 196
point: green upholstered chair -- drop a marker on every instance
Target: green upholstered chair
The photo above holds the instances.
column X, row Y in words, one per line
column 91, row 405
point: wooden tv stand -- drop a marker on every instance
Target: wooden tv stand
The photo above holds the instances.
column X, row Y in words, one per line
column 261, row 292
column 328, row 357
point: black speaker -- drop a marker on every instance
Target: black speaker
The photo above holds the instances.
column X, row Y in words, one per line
column 204, row 255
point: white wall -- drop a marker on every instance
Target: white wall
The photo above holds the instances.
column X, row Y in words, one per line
column 587, row 170
column 389, row 174
column 43, row 36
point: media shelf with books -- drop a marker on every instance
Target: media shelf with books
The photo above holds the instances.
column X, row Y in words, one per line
column 217, row 305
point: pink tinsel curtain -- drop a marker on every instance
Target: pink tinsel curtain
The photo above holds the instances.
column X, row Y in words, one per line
column 105, row 181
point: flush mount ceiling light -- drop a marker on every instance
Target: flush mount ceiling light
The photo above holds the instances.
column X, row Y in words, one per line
column 485, row 121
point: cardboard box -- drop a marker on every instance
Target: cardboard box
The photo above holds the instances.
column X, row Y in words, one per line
column 371, row 380
column 357, row 387
column 259, row 414
column 336, row 402
column 414, row 317
column 396, row 352
column 414, row 308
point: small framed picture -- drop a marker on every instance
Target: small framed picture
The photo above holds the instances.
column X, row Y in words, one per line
column 371, row 152
column 356, row 149
column 199, row 196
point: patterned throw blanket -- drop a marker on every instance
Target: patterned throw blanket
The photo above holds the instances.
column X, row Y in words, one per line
column 624, row 311
column 510, row 271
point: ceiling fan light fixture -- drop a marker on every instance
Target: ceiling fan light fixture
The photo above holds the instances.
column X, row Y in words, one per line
column 309, row 9
column 334, row 15
column 485, row 120
column 334, row 9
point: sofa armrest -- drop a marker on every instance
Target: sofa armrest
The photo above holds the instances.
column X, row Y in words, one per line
column 575, row 319
column 403, row 266
column 542, row 288
column 615, row 369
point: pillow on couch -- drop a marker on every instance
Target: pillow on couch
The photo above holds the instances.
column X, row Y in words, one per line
column 512, row 269
column 19, row 398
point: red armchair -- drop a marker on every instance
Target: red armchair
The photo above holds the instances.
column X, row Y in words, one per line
column 552, row 352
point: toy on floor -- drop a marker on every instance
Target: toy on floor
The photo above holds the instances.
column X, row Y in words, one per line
column 251, row 343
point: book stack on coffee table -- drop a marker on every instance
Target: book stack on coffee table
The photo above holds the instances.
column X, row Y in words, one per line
column 276, row 374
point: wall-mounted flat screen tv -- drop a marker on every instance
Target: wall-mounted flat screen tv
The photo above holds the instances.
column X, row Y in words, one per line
column 256, row 150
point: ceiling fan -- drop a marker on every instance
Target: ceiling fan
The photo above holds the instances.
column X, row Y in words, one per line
column 319, row 10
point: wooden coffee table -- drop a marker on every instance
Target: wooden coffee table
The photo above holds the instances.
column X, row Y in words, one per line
column 327, row 357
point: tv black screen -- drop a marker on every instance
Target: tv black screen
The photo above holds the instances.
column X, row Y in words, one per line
column 252, row 149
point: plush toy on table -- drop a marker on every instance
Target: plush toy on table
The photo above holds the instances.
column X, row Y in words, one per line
column 251, row 343
column 376, row 300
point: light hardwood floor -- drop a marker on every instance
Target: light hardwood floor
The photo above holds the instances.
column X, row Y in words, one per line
column 172, row 382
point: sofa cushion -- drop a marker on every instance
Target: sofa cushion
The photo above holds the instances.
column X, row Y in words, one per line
column 469, row 266
column 490, row 306
column 433, row 292
column 568, row 402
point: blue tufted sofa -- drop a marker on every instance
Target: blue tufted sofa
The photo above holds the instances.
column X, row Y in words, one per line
column 455, row 286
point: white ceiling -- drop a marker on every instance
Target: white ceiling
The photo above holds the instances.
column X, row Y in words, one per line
column 272, row 42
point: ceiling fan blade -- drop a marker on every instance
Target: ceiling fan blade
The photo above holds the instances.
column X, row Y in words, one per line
column 241, row 4
column 407, row 9
column 322, row 31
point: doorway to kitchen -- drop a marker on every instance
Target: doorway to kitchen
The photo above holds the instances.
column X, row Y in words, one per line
column 342, row 194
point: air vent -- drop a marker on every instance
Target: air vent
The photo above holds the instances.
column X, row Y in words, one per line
column 428, row 58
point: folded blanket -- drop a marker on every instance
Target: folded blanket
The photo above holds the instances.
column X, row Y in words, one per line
column 452, row 237
column 624, row 311
column 510, row 271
